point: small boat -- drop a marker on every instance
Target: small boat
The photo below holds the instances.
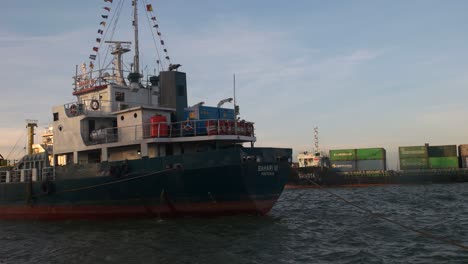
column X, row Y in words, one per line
column 131, row 146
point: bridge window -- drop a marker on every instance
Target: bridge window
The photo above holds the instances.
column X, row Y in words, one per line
column 120, row 96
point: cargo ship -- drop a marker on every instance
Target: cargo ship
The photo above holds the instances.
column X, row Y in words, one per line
column 368, row 166
column 131, row 146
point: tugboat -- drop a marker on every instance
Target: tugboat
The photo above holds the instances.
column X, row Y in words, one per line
column 130, row 146
column 312, row 169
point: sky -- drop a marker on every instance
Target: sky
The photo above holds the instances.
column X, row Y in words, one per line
column 368, row 73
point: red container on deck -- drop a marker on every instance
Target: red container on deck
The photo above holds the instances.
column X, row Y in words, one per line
column 241, row 128
column 211, row 127
column 223, row 127
column 159, row 126
column 230, row 127
column 249, row 129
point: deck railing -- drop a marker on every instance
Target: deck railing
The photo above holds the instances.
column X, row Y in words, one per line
column 96, row 107
column 27, row 175
column 189, row 128
column 48, row 173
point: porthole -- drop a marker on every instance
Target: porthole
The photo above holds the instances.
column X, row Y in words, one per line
column 60, row 127
column 122, row 118
column 135, row 115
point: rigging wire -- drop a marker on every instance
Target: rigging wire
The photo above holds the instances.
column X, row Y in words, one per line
column 20, row 152
column 154, row 38
column 111, row 32
column 409, row 228
column 14, row 147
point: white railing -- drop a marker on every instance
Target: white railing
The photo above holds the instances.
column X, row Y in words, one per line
column 48, row 173
column 27, row 175
column 189, row 128
column 96, row 107
column 15, row 176
column 102, row 77
column 4, row 175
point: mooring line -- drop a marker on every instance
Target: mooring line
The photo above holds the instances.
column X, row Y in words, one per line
column 423, row 233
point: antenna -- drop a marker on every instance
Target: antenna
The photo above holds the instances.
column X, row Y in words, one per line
column 136, row 60
column 316, row 139
column 236, row 108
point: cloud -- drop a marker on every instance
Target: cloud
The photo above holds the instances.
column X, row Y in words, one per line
column 361, row 56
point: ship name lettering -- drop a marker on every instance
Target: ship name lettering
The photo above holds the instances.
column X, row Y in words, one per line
column 271, row 167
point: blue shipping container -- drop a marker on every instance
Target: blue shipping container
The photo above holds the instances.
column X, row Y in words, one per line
column 371, row 165
column 189, row 114
column 208, row 112
column 343, row 166
column 226, row 113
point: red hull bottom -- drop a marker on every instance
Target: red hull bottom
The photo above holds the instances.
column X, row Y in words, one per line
column 107, row 212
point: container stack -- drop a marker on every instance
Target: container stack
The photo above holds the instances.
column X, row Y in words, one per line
column 428, row 157
column 414, row 158
column 371, row 159
column 443, row 157
column 343, row 160
column 367, row 159
column 194, row 115
column 463, row 152
column 208, row 112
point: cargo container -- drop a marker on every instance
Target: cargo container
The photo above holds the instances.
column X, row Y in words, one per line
column 208, row 112
column 371, row 154
column 414, row 163
column 443, row 162
column 464, row 162
column 226, row 113
column 343, row 154
column 371, row 165
column 463, row 150
column 442, row 151
column 200, row 128
column 343, row 165
column 413, row 152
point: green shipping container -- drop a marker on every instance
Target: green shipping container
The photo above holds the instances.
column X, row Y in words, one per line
column 414, row 164
column 413, row 152
column 343, row 154
column 443, row 163
column 442, row 151
column 371, row 154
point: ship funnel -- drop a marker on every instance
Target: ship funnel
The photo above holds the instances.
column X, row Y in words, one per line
column 173, row 91
column 31, row 124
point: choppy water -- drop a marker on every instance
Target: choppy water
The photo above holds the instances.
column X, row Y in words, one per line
column 306, row 226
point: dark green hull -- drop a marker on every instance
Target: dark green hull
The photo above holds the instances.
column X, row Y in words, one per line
column 326, row 177
column 208, row 183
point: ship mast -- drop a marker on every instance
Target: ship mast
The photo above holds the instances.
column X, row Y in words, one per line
column 316, row 139
column 136, row 60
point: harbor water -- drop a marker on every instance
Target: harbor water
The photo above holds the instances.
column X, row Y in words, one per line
column 305, row 226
